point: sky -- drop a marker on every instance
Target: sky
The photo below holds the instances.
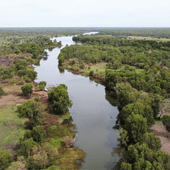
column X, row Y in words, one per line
column 85, row 13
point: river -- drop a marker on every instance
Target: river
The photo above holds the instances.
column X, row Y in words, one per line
column 93, row 115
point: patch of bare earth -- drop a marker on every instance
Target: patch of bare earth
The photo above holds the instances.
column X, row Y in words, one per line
column 164, row 135
column 15, row 98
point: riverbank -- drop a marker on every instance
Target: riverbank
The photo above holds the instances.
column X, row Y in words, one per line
column 12, row 127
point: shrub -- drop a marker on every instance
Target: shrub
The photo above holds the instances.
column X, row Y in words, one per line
column 57, row 131
column 43, row 83
column 166, row 121
column 69, row 142
column 72, row 62
column 91, row 73
column 81, row 66
column 5, row 77
column 26, row 108
column 26, row 147
column 41, row 87
column 36, row 98
column 5, row 159
column 1, row 91
column 30, row 109
column 36, row 117
column 38, row 134
column 42, row 156
column 21, row 73
column 19, row 164
column 27, row 90
column 31, row 74
column 12, row 81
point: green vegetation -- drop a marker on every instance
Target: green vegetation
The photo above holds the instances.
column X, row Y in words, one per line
column 27, row 90
column 166, row 121
column 1, row 91
column 5, row 159
column 59, row 100
column 36, row 98
column 11, row 126
column 31, row 110
column 137, row 72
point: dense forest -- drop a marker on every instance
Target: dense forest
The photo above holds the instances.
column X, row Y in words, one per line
column 137, row 73
column 145, row 32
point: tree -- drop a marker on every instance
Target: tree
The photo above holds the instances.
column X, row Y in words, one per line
column 136, row 126
column 126, row 166
column 26, row 108
column 26, row 147
column 5, row 159
column 19, row 164
column 36, row 117
column 42, row 156
column 30, row 109
column 59, row 100
column 31, row 74
column 166, row 121
column 38, row 134
column 136, row 108
column 27, row 90
column 43, row 83
column 61, row 58
column 123, row 138
column 151, row 141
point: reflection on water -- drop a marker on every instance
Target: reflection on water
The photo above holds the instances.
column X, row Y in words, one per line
column 91, row 111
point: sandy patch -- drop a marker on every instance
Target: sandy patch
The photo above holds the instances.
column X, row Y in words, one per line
column 164, row 135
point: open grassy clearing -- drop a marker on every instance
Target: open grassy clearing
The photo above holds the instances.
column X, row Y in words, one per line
column 11, row 88
column 99, row 68
column 148, row 38
column 11, row 126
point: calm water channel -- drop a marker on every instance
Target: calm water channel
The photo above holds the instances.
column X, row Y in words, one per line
column 93, row 115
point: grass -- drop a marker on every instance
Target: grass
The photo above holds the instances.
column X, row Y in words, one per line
column 56, row 142
column 11, row 126
column 64, row 116
column 149, row 38
column 68, row 156
column 12, row 87
column 101, row 67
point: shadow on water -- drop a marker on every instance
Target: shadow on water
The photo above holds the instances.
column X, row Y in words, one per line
column 61, row 70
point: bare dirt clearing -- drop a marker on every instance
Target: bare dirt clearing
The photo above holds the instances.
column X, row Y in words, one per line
column 164, row 136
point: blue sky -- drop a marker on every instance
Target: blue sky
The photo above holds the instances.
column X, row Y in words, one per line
column 85, row 13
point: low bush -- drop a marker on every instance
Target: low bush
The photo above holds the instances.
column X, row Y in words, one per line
column 69, row 142
column 5, row 159
column 91, row 73
column 26, row 108
column 36, row 98
column 27, row 90
column 43, row 83
column 41, row 87
column 57, row 131
column 1, row 91
column 166, row 121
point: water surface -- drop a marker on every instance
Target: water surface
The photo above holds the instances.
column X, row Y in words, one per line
column 93, row 115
